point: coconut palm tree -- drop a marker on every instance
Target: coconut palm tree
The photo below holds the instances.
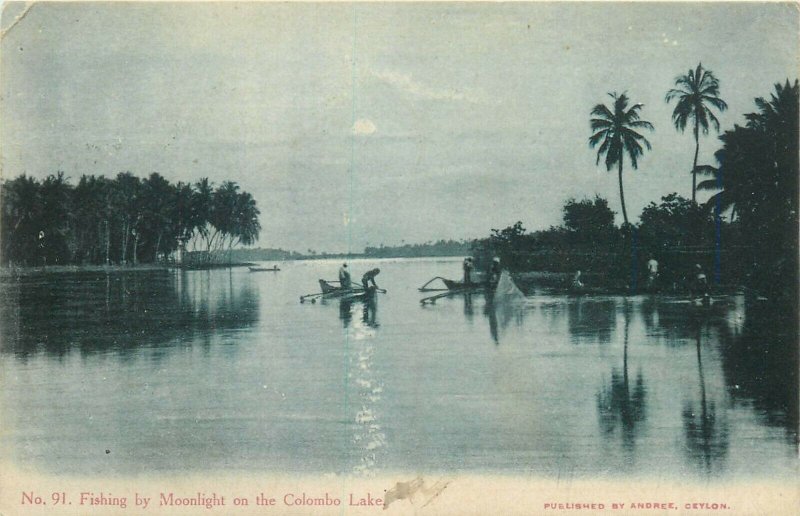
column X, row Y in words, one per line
column 757, row 179
column 758, row 163
column 695, row 92
column 616, row 129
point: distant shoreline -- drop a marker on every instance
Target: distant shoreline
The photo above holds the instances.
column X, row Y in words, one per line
column 31, row 270
column 19, row 271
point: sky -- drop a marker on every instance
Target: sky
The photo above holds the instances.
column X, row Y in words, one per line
column 368, row 124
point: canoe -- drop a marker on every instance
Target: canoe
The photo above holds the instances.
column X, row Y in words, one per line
column 460, row 285
column 330, row 290
column 264, row 269
column 358, row 295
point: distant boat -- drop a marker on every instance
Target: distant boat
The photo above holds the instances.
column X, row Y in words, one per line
column 264, row 269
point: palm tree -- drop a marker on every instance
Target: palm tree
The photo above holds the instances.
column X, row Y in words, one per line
column 696, row 91
column 757, row 179
column 616, row 129
column 758, row 163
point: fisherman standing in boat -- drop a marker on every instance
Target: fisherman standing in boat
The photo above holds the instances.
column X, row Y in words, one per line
column 494, row 272
column 652, row 272
column 344, row 277
column 368, row 277
column 467, row 270
column 576, row 281
column 700, row 282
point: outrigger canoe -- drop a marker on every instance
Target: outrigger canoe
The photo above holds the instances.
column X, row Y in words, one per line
column 460, row 285
column 452, row 288
column 451, row 285
column 331, row 291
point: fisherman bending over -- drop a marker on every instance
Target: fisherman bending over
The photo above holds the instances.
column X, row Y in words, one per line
column 344, row 277
column 370, row 277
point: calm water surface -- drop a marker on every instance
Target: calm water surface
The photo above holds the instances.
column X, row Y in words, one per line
column 125, row 373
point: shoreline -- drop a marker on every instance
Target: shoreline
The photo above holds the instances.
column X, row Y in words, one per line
column 23, row 271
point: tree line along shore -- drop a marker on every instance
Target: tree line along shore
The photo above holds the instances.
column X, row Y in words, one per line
column 745, row 233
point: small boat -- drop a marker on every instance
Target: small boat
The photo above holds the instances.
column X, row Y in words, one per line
column 330, row 290
column 358, row 295
column 264, row 269
column 450, row 285
column 460, row 285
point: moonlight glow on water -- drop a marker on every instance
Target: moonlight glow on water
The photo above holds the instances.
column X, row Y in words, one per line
column 134, row 372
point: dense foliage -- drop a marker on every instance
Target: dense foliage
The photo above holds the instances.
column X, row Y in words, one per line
column 121, row 220
column 757, row 183
column 746, row 233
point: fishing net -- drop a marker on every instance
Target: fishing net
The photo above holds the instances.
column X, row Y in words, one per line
column 507, row 290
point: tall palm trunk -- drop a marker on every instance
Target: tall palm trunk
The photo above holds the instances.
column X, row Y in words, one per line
column 158, row 246
column 125, row 230
column 694, row 163
column 622, row 194
column 108, row 243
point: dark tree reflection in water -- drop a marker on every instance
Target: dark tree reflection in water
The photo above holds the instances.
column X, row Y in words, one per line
column 760, row 366
column 589, row 318
column 226, row 369
column 620, row 404
column 119, row 312
column 705, row 431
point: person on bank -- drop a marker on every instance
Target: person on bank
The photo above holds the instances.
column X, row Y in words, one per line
column 369, row 277
column 468, row 270
column 344, row 277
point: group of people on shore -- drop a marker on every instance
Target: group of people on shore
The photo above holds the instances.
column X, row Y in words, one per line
column 367, row 280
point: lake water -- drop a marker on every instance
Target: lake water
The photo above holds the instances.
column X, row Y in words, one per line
column 163, row 371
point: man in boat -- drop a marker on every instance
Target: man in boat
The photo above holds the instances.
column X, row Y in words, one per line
column 468, row 270
column 494, row 271
column 576, row 281
column 369, row 277
column 652, row 272
column 700, row 286
column 344, row 277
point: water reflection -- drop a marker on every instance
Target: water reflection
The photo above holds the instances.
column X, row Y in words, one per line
column 345, row 312
column 621, row 405
column 490, row 311
column 502, row 313
column 368, row 435
column 468, row 310
column 654, row 386
column 119, row 311
column 369, row 312
column 591, row 319
column 760, row 366
column 705, row 432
